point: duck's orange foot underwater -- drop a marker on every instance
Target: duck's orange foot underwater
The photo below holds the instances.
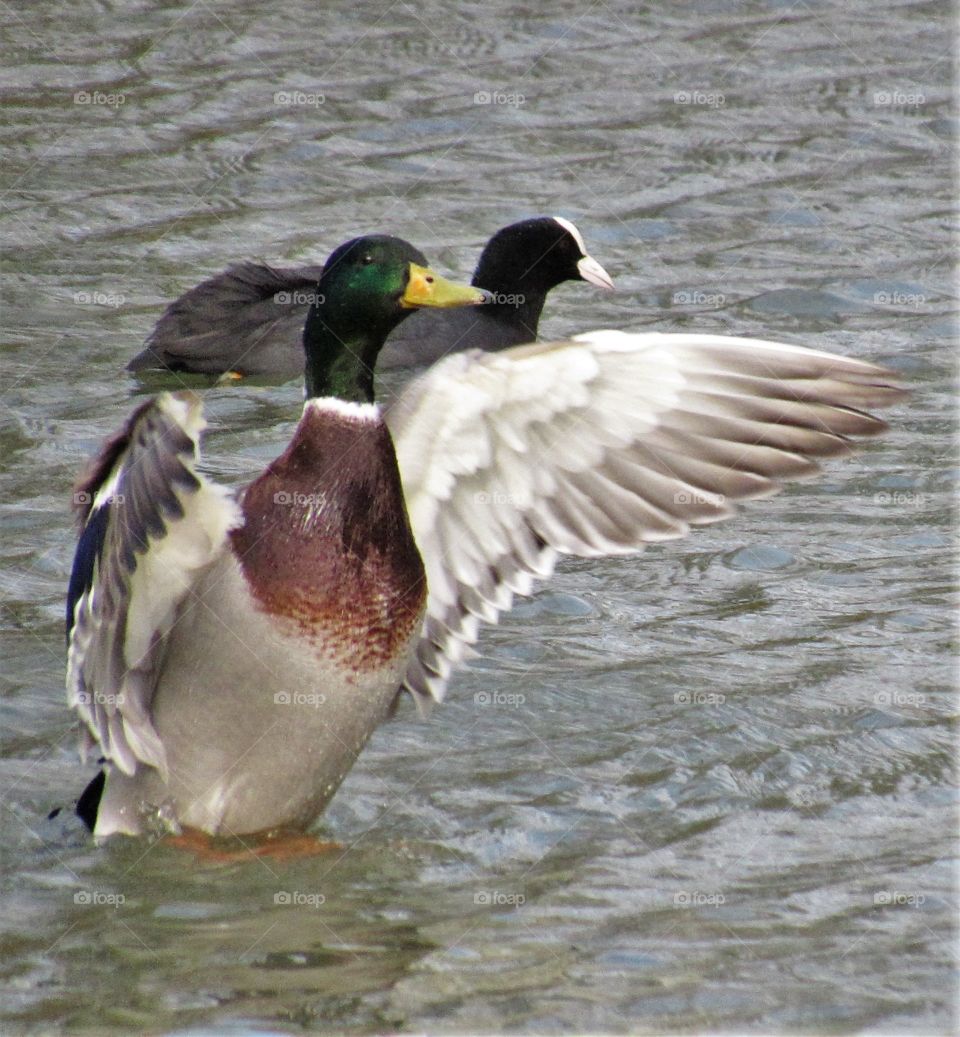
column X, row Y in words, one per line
column 277, row 844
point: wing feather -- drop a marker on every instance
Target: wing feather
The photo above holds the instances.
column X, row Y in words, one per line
column 598, row 446
column 150, row 524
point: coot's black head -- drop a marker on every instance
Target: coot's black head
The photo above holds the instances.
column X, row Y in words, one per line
column 535, row 255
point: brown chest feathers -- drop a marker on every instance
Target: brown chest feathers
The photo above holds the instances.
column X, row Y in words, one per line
column 326, row 542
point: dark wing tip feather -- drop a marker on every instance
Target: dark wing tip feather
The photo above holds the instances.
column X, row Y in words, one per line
column 89, row 548
column 100, row 467
column 164, row 443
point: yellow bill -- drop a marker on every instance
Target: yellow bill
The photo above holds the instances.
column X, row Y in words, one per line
column 425, row 288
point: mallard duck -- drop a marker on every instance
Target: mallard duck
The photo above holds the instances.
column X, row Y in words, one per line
column 230, row 655
column 249, row 319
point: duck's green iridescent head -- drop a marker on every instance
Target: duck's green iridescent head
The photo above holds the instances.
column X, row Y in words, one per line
column 368, row 286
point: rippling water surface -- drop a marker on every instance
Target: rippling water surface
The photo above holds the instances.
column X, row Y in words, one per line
column 708, row 788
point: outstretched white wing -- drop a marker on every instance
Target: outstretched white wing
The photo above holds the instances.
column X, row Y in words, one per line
column 150, row 525
column 598, row 446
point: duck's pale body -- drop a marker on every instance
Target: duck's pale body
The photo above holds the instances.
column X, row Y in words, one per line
column 285, row 700
column 291, row 644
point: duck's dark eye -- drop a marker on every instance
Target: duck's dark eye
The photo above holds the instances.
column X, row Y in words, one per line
column 367, row 260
